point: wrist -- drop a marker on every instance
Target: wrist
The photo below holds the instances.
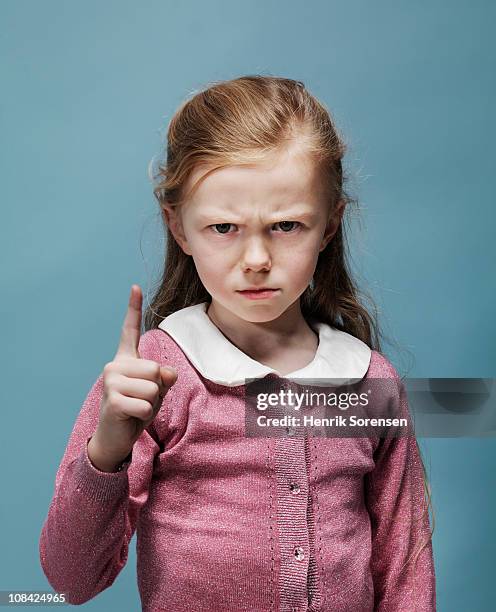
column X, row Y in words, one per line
column 102, row 461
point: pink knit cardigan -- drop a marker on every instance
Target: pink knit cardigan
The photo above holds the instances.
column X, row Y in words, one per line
column 228, row 523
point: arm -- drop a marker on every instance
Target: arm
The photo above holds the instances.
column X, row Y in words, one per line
column 93, row 514
column 395, row 498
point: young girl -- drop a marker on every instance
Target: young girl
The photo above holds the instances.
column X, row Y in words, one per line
column 255, row 285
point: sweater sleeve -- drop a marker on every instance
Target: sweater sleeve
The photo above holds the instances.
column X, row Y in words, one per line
column 93, row 514
column 394, row 492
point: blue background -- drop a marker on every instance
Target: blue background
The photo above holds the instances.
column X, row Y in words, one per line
column 88, row 89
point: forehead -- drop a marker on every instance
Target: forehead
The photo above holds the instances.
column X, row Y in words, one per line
column 286, row 177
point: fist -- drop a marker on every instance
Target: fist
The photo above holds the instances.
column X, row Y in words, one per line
column 133, row 391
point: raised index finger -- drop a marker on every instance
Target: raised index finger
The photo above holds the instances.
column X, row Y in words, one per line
column 131, row 329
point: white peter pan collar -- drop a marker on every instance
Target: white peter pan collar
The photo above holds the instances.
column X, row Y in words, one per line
column 339, row 354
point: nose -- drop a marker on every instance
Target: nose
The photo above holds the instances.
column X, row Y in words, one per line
column 256, row 256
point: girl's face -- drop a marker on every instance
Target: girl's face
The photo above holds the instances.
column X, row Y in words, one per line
column 258, row 226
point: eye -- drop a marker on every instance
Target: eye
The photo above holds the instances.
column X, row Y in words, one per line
column 281, row 223
column 221, row 225
column 222, row 228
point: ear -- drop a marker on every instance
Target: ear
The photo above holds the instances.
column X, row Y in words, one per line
column 333, row 222
column 173, row 219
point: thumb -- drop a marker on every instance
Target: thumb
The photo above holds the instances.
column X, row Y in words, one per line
column 168, row 377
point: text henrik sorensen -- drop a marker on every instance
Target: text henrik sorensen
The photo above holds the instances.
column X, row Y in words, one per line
column 336, row 421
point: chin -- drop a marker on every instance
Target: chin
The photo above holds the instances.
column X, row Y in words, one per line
column 261, row 313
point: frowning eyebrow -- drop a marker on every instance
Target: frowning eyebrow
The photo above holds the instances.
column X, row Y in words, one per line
column 287, row 215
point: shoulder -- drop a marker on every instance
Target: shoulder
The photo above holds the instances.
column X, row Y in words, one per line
column 148, row 346
column 158, row 345
column 381, row 367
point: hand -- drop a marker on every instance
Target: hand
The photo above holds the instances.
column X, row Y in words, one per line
column 133, row 391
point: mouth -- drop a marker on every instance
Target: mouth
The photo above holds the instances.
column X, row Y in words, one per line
column 260, row 294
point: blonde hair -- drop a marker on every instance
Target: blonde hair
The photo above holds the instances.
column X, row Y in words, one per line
column 240, row 122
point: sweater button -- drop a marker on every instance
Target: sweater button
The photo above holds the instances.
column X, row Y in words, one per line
column 294, row 488
column 299, row 554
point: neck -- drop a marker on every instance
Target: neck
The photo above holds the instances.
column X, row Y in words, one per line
column 260, row 340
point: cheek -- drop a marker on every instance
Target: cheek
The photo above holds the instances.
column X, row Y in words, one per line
column 300, row 274
column 302, row 254
column 209, row 256
column 211, row 263
column 208, row 274
column 300, row 261
column 298, row 256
